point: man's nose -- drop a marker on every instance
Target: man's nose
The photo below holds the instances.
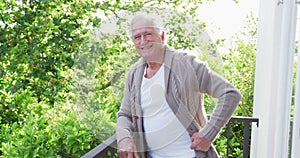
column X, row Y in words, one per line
column 143, row 39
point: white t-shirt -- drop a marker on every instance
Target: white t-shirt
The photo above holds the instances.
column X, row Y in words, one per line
column 164, row 134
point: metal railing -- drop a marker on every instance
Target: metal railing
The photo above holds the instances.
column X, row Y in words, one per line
column 107, row 149
column 247, row 132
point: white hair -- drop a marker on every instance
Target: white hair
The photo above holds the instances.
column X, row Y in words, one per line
column 154, row 21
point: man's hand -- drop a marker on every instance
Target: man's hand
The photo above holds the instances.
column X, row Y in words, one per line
column 199, row 142
column 127, row 149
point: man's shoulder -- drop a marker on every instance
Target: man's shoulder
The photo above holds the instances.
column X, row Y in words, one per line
column 137, row 65
column 187, row 56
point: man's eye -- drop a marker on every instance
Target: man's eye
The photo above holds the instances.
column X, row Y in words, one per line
column 137, row 37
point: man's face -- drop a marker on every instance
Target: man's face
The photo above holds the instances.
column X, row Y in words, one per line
column 147, row 41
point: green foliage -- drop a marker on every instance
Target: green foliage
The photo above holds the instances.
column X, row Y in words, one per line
column 239, row 66
column 241, row 69
column 294, row 89
column 38, row 46
column 56, row 132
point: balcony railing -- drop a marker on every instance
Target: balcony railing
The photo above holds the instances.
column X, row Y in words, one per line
column 108, row 149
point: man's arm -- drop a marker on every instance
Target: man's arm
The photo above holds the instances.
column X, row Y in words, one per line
column 124, row 129
column 124, row 117
column 218, row 87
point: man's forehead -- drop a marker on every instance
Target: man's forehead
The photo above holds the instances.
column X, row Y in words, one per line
column 142, row 28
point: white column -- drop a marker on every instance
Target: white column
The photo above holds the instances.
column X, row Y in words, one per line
column 285, row 78
column 268, row 33
column 273, row 78
column 296, row 126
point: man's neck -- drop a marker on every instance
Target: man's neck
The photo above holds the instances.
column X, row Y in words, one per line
column 152, row 68
column 153, row 65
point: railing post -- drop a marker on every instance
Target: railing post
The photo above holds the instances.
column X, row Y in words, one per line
column 228, row 138
column 246, row 139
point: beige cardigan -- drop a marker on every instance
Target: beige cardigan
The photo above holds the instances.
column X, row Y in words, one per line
column 186, row 79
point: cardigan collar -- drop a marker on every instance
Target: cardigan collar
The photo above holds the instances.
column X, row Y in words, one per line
column 169, row 54
column 138, row 77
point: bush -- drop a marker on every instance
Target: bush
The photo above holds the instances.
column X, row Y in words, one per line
column 55, row 132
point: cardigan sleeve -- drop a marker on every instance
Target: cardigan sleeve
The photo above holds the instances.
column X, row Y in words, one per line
column 218, row 87
column 124, row 127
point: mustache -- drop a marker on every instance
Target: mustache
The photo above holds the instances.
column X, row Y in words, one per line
column 149, row 45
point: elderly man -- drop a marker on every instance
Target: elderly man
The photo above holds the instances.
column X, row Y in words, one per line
column 162, row 113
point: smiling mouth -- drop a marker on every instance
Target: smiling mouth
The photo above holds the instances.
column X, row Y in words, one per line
column 147, row 47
